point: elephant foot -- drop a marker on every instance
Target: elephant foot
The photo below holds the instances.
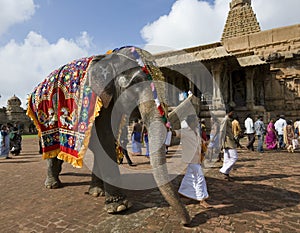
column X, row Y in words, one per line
column 54, row 184
column 115, row 205
column 96, row 192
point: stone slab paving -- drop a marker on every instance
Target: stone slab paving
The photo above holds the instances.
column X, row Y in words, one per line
column 265, row 197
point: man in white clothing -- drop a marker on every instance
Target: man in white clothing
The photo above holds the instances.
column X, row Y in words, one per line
column 228, row 144
column 249, row 125
column 279, row 126
column 193, row 184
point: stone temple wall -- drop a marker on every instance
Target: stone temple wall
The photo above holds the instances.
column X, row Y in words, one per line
column 13, row 113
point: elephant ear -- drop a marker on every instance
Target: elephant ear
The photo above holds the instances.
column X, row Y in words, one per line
column 104, row 69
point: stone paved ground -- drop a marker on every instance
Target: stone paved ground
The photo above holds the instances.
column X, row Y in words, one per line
column 265, row 197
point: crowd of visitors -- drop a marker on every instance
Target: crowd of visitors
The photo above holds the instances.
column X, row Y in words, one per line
column 10, row 140
column 277, row 134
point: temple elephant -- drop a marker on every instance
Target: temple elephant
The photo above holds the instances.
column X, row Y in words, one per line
column 80, row 105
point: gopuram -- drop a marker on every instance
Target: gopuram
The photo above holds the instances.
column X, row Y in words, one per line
column 16, row 115
column 252, row 70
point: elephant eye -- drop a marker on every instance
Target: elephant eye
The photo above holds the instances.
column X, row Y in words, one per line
column 123, row 82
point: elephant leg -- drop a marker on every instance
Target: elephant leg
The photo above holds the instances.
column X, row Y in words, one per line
column 105, row 164
column 53, row 170
column 115, row 201
column 96, row 187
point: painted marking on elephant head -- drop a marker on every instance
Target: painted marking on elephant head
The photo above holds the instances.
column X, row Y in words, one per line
column 105, row 72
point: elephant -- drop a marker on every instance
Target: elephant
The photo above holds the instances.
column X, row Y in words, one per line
column 122, row 72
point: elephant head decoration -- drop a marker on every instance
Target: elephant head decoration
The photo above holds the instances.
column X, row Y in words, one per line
column 73, row 109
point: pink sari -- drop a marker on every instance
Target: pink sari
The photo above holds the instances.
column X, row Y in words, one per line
column 271, row 138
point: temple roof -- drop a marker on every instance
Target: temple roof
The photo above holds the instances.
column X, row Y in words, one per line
column 241, row 20
column 14, row 101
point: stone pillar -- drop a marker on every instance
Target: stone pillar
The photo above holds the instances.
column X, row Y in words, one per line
column 249, row 88
column 217, row 97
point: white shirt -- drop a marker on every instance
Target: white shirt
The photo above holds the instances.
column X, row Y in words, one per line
column 279, row 125
column 249, row 126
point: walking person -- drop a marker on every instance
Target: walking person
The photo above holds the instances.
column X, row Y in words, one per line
column 260, row 132
column 271, row 136
column 4, row 142
column 193, row 185
column 288, row 136
column 204, row 139
column 236, row 129
column 249, row 125
column 168, row 138
column 229, row 145
column 146, row 140
column 213, row 149
column 136, row 138
column 123, row 143
column 297, row 127
column 280, row 124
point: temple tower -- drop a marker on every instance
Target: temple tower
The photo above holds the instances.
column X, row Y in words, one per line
column 14, row 111
column 241, row 20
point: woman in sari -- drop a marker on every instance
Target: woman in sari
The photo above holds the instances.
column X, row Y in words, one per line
column 271, row 137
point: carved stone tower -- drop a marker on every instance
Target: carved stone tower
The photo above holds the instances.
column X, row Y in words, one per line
column 241, row 20
column 14, row 112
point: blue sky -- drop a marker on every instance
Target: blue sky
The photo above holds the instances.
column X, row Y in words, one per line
column 110, row 23
column 37, row 36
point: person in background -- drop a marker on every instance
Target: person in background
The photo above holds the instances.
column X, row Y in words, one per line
column 288, row 136
column 4, row 142
column 297, row 127
column 260, row 130
column 280, row 124
column 249, row 125
column 168, row 138
column 228, row 144
column 271, row 136
column 146, row 140
column 123, row 144
column 136, row 138
column 204, row 137
column 213, row 149
column 236, row 129
column 193, row 184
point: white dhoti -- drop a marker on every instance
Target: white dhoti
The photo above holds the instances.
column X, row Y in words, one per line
column 193, row 184
column 230, row 158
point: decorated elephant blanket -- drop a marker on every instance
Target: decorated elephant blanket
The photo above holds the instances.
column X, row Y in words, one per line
column 63, row 109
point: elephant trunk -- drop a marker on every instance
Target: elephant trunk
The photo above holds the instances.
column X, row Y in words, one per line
column 157, row 135
column 166, row 188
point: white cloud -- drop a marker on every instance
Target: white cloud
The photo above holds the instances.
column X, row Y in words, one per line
column 195, row 22
column 14, row 11
column 189, row 23
column 24, row 65
column 276, row 13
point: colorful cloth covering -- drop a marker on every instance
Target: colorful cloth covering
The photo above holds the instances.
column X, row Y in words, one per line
column 63, row 109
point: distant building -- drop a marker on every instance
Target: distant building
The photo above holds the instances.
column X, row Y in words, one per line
column 15, row 114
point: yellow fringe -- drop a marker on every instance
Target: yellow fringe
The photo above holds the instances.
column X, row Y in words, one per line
column 86, row 140
column 51, row 154
column 75, row 162
column 31, row 114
